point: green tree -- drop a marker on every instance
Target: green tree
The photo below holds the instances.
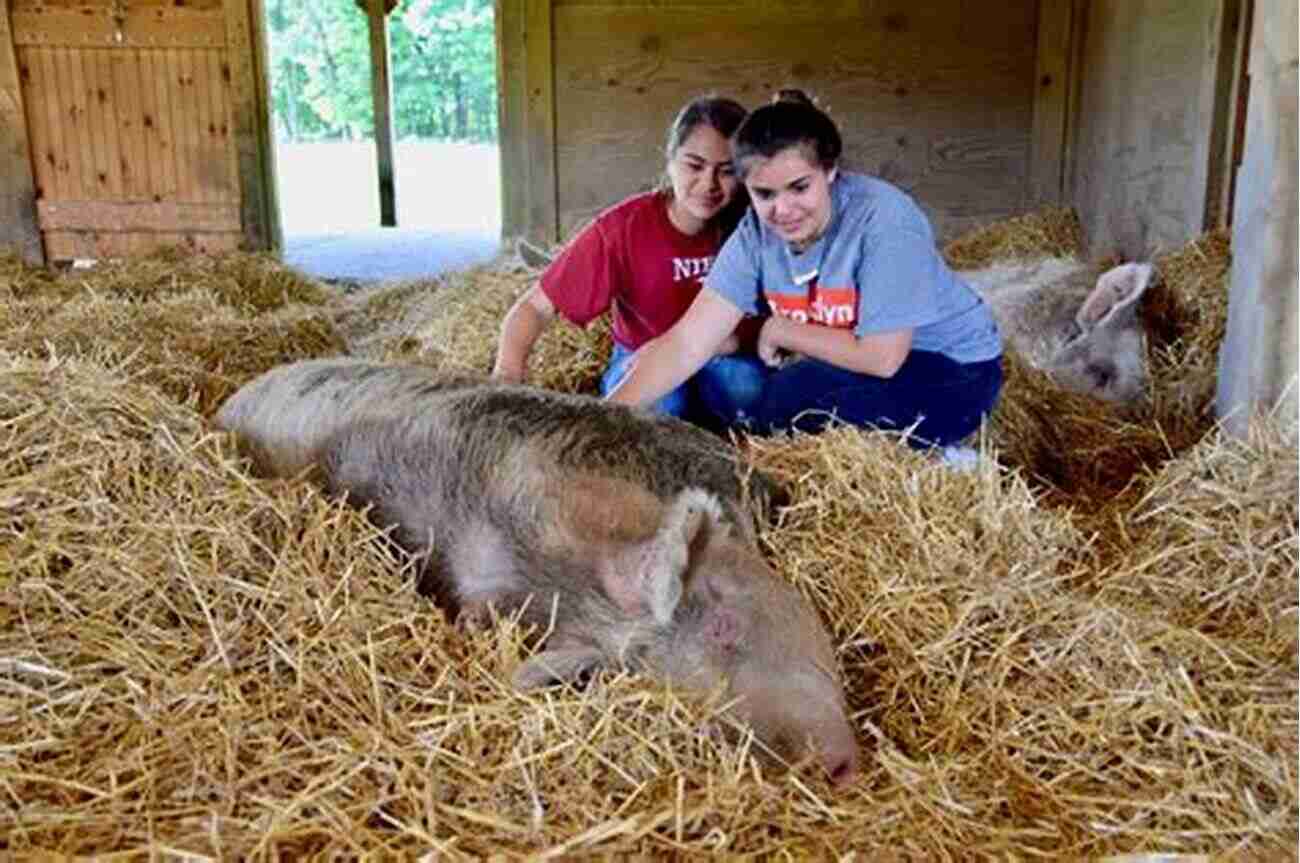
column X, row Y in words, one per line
column 442, row 54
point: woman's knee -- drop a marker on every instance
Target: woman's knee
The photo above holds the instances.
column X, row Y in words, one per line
column 731, row 387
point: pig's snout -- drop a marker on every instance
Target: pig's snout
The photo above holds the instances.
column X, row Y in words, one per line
column 836, row 748
column 798, row 728
column 841, row 763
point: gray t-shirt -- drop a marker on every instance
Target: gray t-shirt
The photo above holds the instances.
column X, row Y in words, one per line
column 875, row 269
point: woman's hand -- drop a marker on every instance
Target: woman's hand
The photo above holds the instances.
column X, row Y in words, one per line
column 770, row 340
column 876, row 354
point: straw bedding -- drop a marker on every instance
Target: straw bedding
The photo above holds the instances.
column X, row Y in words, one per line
column 1085, row 647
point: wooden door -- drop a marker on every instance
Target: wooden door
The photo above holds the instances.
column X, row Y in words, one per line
column 142, row 124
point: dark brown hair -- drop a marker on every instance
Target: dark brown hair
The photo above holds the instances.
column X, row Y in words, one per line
column 791, row 120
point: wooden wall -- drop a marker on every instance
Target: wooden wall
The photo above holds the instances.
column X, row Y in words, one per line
column 1260, row 355
column 938, row 97
column 1153, row 122
column 140, row 123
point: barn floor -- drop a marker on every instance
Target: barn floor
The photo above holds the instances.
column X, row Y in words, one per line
column 388, row 254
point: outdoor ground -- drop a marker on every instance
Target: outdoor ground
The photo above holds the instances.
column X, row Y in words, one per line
column 448, row 208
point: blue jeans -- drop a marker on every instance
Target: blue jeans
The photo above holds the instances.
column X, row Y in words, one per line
column 945, row 400
column 719, row 396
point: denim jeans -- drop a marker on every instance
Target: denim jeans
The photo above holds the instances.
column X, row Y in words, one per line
column 719, row 396
column 945, row 400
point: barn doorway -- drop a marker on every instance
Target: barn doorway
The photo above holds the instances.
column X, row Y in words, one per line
column 445, row 167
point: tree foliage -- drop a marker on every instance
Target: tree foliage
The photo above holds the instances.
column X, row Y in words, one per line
column 442, row 57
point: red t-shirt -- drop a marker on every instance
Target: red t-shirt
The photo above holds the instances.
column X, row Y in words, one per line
column 633, row 262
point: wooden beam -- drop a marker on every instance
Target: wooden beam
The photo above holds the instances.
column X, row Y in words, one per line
column 1228, row 83
column 94, row 26
column 1259, row 355
column 131, row 216
column 70, row 245
column 1052, row 104
column 510, row 118
column 381, row 94
column 1214, row 108
column 18, row 229
column 251, row 123
column 539, row 122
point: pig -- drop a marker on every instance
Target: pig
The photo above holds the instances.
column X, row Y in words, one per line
column 624, row 536
column 1081, row 328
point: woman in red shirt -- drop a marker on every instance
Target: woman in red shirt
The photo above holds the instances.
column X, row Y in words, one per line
column 643, row 261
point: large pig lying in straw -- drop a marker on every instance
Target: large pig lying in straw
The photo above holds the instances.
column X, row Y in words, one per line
column 627, row 534
column 1080, row 327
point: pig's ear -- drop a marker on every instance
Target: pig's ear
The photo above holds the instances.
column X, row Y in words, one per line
column 647, row 578
column 1115, row 295
column 563, row 664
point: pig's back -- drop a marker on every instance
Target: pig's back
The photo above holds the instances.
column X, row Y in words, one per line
column 284, row 416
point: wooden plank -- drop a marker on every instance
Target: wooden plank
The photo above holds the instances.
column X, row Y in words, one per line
column 204, row 167
column 59, row 182
column 100, row 170
column 1051, row 102
column 381, row 95
column 251, row 124
column 168, row 81
column 132, row 157
column 18, row 230
column 98, row 6
column 186, row 123
column 219, row 73
column 1219, row 87
column 539, row 122
column 72, row 110
column 165, row 129
column 110, row 104
column 150, row 128
column 136, row 216
column 70, row 245
column 33, row 109
column 89, row 26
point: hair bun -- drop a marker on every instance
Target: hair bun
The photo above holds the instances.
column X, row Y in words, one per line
column 792, row 94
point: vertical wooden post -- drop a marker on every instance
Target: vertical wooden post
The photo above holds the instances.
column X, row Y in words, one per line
column 1216, row 103
column 539, row 122
column 381, row 92
column 18, row 228
column 250, row 96
column 1259, row 356
column 511, row 98
column 1052, row 101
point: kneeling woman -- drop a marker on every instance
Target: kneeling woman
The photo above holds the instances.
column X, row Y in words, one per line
column 879, row 332
column 643, row 261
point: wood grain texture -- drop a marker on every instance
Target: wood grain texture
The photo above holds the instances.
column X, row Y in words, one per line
column 133, row 139
column 936, row 97
column 1141, row 166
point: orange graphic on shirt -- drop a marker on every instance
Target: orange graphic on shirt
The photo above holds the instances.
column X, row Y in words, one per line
column 830, row 307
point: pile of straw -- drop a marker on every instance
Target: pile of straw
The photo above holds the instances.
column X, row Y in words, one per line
column 1084, row 647
column 196, row 327
column 454, row 324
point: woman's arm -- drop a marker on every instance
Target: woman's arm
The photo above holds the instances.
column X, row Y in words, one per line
column 520, row 329
column 876, row 354
column 663, row 364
